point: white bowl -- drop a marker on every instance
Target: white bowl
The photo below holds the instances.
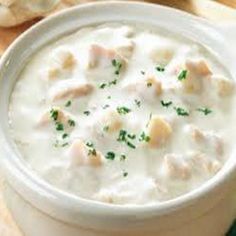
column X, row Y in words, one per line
column 41, row 209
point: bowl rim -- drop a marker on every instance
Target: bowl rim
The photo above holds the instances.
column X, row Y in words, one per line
column 23, row 175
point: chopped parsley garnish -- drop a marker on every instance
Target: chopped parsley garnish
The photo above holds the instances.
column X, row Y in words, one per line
column 166, row 104
column 122, row 157
column 109, row 84
column 106, row 128
column 117, row 65
column 123, row 110
column 92, row 150
column 57, row 144
column 68, row 104
column 137, row 102
column 65, row 135
column 160, row 68
column 102, row 86
column 59, row 126
column 131, row 136
column 144, row 138
column 54, row 114
column 71, row 123
column 150, row 117
column 87, row 113
column 110, row 156
column 181, row 111
column 205, row 110
column 125, row 174
column 113, row 82
column 124, row 136
column 89, row 144
column 108, row 97
column 131, row 145
column 142, row 72
column 65, row 144
column 106, row 106
column 182, row 75
column 149, row 84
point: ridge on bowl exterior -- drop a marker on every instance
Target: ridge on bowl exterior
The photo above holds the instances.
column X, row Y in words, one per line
column 206, row 211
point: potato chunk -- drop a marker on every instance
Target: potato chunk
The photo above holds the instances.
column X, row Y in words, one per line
column 159, row 131
column 81, row 154
column 198, row 67
column 196, row 71
column 157, row 85
column 224, row 86
column 112, row 121
column 68, row 90
column 145, row 87
column 61, row 116
column 100, row 56
column 61, row 61
column 207, row 140
column 162, row 55
column 177, row 167
column 126, row 50
column 203, row 162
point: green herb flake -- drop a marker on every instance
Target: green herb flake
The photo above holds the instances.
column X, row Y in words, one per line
column 54, row 114
column 122, row 136
column 71, row 123
column 142, row 72
column 131, row 145
column 150, row 117
column 89, row 144
column 102, row 86
column 123, row 110
column 108, row 97
column 110, row 156
column 92, row 151
column 122, row 157
column 65, row 135
column 117, row 65
column 87, row 113
column 166, row 104
column 131, row 136
column 206, row 111
column 113, row 82
column 106, row 128
column 106, row 106
column 144, row 138
column 57, row 144
column 65, row 144
column 59, row 126
column 160, row 68
column 68, row 104
column 125, row 174
column 137, row 102
column 182, row 75
column 181, row 111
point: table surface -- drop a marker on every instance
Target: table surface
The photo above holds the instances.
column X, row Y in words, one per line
column 218, row 11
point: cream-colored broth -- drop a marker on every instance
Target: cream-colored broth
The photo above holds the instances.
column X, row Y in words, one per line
column 128, row 100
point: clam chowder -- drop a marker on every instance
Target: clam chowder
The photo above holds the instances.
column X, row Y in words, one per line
column 124, row 114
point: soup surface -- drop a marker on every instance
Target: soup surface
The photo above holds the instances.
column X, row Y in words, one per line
column 124, row 114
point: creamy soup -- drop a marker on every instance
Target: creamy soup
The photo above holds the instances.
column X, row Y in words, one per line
column 124, row 114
